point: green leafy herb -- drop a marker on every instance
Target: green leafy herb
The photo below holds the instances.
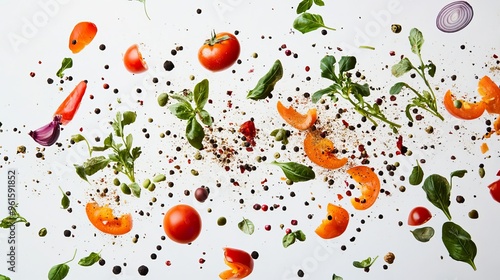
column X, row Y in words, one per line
column 353, row 92
column 423, row 234
column 12, row 219
column 266, row 84
column 336, row 277
column 364, row 263
column 296, row 172
column 457, row 173
column 459, row 243
column 417, row 175
column 89, row 260
column 60, row 271
column 66, row 63
column 145, row 10
column 305, row 5
column 307, row 22
column 426, row 99
column 64, row 200
column 3, row 277
column 438, row 192
column 291, row 237
column 280, row 134
column 246, row 226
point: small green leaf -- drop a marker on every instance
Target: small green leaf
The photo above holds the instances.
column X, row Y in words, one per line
column 417, row 175
column 364, row 263
column 182, row 110
column 205, row 117
column 66, row 63
column 408, row 111
column 108, row 141
column 346, row 63
column 423, row 234
column 136, row 152
column 432, row 69
column 363, row 90
column 304, row 6
column 195, row 133
column 128, row 118
column 319, row 94
column 299, row 235
column 99, row 149
column 457, row 173
column 128, row 141
column 335, row 277
column 307, row 22
column 94, row 164
column 3, row 277
column 58, row 272
column 201, row 94
column 246, row 226
column 288, row 239
column 64, row 200
column 80, row 170
column 459, row 243
column 416, row 41
column 89, row 260
column 117, row 125
column 296, row 172
column 402, row 67
column 438, row 191
column 77, row 138
column 397, row 87
column 135, row 188
column 266, row 84
column 319, row 2
column 327, row 66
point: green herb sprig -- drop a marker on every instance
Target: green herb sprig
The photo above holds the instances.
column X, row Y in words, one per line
column 351, row 91
column 190, row 106
column 13, row 218
column 425, row 99
column 266, row 84
column 145, row 10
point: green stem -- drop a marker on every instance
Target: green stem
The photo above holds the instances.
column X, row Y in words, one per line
column 145, row 10
column 88, row 147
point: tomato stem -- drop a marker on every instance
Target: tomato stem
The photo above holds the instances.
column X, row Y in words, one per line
column 214, row 40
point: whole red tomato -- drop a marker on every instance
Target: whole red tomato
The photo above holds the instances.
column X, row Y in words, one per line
column 219, row 52
column 419, row 216
column 133, row 61
column 182, row 223
column 495, row 190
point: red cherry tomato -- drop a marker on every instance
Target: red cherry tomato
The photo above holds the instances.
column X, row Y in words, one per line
column 219, row 52
column 133, row 60
column 240, row 262
column 495, row 190
column 419, row 216
column 182, row 223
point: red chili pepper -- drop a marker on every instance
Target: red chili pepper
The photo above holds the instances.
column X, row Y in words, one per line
column 70, row 105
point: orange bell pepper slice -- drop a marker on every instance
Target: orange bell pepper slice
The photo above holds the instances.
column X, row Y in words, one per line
column 104, row 220
column 467, row 111
column 369, row 186
column 321, row 151
column 490, row 93
column 335, row 224
column 83, row 33
column 240, row 262
column 296, row 119
column 70, row 105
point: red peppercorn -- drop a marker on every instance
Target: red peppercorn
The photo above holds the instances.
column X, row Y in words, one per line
column 294, row 222
column 288, row 231
column 267, row 227
column 264, row 207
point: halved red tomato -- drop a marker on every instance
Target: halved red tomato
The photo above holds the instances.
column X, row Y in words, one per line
column 495, row 190
column 335, row 223
column 369, row 186
column 133, row 60
column 419, row 216
column 465, row 110
column 240, row 262
column 296, row 119
column 104, row 220
column 321, row 151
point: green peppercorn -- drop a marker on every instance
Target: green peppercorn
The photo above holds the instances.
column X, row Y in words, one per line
column 42, row 232
column 116, row 182
column 195, row 172
column 473, row 214
column 162, row 99
column 198, row 156
column 221, row 221
column 152, row 187
column 429, row 129
column 159, row 178
column 277, row 155
column 481, row 172
column 125, row 189
column 146, row 183
column 396, row 28
column 457, row 104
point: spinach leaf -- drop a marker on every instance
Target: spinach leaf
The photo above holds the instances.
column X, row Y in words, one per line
column 89, row 260
column 266, row 84
column 66, row 63
column 346, row 63
column 423, row 234
column 94, row 164
column 195, row 133
column 307, row 22
column 364, row 263
column 417, row 175
column 135, row 188
column 402, row 67
column 438, row 191
column 182, row 110
column 397, row 87
column 459, row 243
column 246, row 226
column 296, row 172
column 60, row 271
column 3, row 277
column 327, row 66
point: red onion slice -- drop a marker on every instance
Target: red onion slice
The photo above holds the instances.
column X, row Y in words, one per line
column 454, row 16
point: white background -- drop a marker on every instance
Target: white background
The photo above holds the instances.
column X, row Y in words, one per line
column 32, row 31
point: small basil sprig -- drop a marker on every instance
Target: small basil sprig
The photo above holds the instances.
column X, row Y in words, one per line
column 305, row 5
column 89, row 260
column 417, row 175
column 353, row 92
column 64, row 200
column 423, row 234
column 291, row 237
column 12, row 219
column 425, row 100
column 459, row 243
column 266, row 84
column 364, row 263
column 296, row 172
column 307, row 22
column 280, row 134
column 66, row 63
column 246, row 226
column 60, row 271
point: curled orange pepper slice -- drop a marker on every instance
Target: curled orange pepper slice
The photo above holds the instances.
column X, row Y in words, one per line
column 369, row 186
column 296, row 119
column 104, row 220
column 321, row 151
column 465, row 110
column 335, row 223
column 83, row 33
column 240, row 262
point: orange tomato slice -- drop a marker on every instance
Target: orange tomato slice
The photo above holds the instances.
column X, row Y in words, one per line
column 104, row 220
column 467, row 111
column 369, row 186
column 240, row 262
column 296, row 119
column 335, row 224
column 490, row 93
column 320, row 151
column 83, row 33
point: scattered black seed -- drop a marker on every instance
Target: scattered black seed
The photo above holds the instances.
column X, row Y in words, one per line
column 143, row 270
column 300, row 273
column 198, row 11
column 67, row 233
column 102, row 47
column 255, row 255
column 168, row 65
column 117, row 269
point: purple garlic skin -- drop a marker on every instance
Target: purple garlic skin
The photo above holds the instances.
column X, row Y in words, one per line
column 48, row 134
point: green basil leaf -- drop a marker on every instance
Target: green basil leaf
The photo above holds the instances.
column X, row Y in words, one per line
column 304, row 6
column 319, row 2
column 299, row 235
column 89, row 260
column 266, row 84
column 66, row 63
column 357, row 264
column 307, row 22
column 423, row 234
column 402, row 67
column 416, row 41
column 296, row 172
column 58, row 272
column 397, row 87
column 438, row 191
column 77, row 138
column 94, row 164
column 364, row 263
column 432, row 69
column 80, row 170
column 64, row 200
column 182, row 110
column 459, row 243
column 3, row 277
column 246, row 226
column 327, row 66
column 335, row 277
column 319, row 94
column 136, row 152
column 363, row 90
column 135, row 188
column 346, row 63
column 417, row 175
column 128, row 118
column 201, row 94
column 288, row 239
column 195, row 133
column 205, row 117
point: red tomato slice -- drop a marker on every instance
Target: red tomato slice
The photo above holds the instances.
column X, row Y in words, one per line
column 104, row 220
column 369, row 185
column 240, row 262
column 335, row 223
column 70, row 105
column 83, row 33
column 132, row 59
column 467, row 111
